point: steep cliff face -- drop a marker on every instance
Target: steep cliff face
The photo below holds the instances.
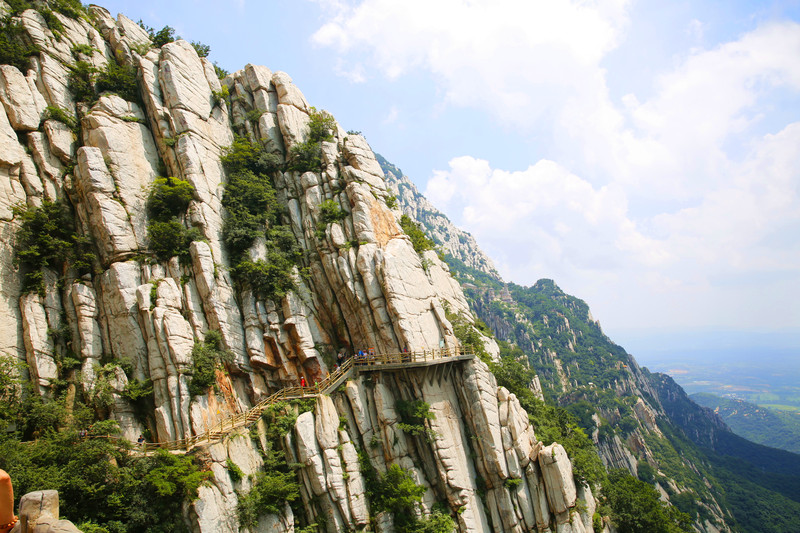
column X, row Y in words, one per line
column 359, row 284
column 622, row 406
column 452, row 240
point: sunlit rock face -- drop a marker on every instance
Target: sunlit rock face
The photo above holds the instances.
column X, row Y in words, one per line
column 360, row 285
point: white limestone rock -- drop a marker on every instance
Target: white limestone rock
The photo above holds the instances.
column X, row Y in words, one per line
column 183, row 79
column 23, row 103
column 557, row 472
column 110, row 222
column 39, row 347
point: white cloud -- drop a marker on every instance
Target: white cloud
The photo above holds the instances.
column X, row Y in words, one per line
column 511, row 57
column 392, row 115
column 545, row 212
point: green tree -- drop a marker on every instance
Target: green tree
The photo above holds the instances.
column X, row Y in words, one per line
column 47, row 239
column 637, row 508
column 419, row 240
column 169, row 197
column 207, row 357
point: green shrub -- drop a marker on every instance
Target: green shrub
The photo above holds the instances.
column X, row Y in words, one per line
column 61, row 115
column 85, row 49
column 271, row 279
column 202, row 49
column 253, row 212
column 169, row 197
column 119, row 79
column 161, row 37
column 419, row 240
column 207, row 356
column 321, row 126
column 645, row 472
column 307, row 156
column 221, row 72
column 69, row 8
column 52, row 22
column 13, row 48
column 254, row 114
column 98, row 480
column 222, row 96
column 271, row 490
column 413, row 415
column 47, row 239
column 330, row 211
column 170, row 238
column 391, row 201
column 18, row 6
column 81, row 82
column 176, row 475
column 636, row 507
column 397, row 493
column 233, row 470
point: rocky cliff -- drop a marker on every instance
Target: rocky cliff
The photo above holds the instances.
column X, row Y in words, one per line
column 451, row 240
column 76, row 135
column 626, row 409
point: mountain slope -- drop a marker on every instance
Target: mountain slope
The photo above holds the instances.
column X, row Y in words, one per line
column 639, row 420
column 778, row 429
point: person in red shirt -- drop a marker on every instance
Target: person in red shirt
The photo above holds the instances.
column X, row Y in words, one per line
column 302, row 381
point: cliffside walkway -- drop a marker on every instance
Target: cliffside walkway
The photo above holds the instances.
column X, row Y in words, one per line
column 367, row 363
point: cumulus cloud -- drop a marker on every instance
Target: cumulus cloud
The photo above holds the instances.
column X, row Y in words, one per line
column 512, row 57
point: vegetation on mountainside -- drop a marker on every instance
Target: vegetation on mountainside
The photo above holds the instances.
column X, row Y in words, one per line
column 86, row 82
column 207, row 357
column 413, row 415
column 253, row 213
column 551, row 423
column 46, row 239
column 307, row 156
column 778, row 429
column 101, row 485
column 543, row 320
column 13, row 48
column 419, row 240
column 276, row 484
column 167, row 236
column 396, row 492
column 636, row 506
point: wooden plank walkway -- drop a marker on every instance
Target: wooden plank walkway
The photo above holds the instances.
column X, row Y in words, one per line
column 366, row 363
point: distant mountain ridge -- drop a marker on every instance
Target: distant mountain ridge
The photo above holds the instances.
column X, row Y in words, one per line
column 765, row 426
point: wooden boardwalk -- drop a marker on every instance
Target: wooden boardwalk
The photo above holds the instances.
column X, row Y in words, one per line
column 366, row 363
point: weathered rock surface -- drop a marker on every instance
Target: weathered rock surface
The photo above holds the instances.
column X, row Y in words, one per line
column 38, row 513
column 360, row 286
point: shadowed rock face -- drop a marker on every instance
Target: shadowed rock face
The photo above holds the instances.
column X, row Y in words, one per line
column 364, row 287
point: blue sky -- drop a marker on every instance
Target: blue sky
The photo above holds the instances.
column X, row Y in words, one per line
column 644, row 154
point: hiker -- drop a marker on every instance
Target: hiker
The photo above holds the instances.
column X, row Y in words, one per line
column 7, row 518
column 302, row 381
column 141, row 440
